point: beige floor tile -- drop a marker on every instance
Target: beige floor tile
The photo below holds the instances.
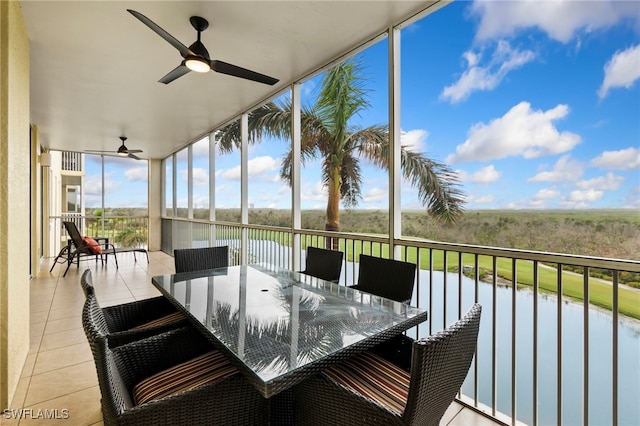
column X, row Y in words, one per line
column 62, row 381
column 145, row 293
column 77, row 408
column 56, row 326
column 105, row 296
column 451, row 412
column 40, row 306
column 61, row 313
column 62, row 339
column 62, row 357
column 38, row 299
column 29, row 363
column 37, row 329
column 38, row 317
column 34, row 344
column 468, row 417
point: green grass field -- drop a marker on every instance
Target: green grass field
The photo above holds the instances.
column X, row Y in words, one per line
column 600, row 294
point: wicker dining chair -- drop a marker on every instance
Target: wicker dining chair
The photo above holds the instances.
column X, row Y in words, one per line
column 324, row 264
column 388, row 278
column 198, row 259
column 130, row 321
column 172, row 378
column 369, row 390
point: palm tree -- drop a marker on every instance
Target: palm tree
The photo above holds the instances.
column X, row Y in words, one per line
column 326, row 133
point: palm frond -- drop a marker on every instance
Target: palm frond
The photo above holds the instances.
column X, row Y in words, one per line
column 437, row 184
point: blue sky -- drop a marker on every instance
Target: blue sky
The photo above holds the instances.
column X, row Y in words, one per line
column 536, row 105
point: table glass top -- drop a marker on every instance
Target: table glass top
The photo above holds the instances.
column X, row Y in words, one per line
column 276, row 321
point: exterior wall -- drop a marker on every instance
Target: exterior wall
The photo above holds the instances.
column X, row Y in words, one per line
column 15, row 215
column 155, row 205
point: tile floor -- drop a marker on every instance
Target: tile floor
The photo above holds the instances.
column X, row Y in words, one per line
column 59, row 377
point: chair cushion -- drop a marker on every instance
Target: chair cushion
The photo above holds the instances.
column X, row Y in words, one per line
column 207, row 368
column 94, row 247
column 162, row 321
column 375, row 378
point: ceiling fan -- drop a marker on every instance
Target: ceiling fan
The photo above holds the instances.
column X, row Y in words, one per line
column 122, row 151
column 196, row 57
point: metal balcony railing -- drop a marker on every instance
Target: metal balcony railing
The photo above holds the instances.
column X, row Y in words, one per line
column 122, row 231
column 544, row 356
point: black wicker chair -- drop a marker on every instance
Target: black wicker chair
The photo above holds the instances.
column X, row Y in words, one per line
column 388, row 278
column 387, row 395
column 198, row 259
column 213, row 391
column 324, row 264
column 130, row 321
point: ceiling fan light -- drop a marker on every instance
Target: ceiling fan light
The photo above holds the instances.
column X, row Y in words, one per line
column 197, row 64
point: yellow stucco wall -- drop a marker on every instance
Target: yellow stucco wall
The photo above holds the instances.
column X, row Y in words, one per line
column 14, row 197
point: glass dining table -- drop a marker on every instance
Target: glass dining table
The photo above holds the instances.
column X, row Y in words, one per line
column 279, row 326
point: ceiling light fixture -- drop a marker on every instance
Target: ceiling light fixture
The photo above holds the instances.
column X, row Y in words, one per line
column 197, row 64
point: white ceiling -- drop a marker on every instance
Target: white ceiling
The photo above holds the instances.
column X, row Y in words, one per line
column 95, row 68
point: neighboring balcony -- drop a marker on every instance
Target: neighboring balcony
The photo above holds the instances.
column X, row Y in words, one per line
column 71, row 161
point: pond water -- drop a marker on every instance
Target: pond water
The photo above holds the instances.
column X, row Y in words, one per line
column 600, row 353
column 600, row 347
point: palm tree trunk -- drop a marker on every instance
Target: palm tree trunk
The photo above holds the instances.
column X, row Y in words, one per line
column 333, row 208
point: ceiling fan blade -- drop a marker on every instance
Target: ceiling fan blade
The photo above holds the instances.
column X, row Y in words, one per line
column 131, row 151
column 184, row 50
column 98, row 151
column 135, row 157
column 177, row 72
column 236, row 71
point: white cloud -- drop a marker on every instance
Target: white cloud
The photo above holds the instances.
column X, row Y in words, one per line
column 414, row 140
column 257, row 167
column 93, row 185
column 520, row 132
column 624, row 159
column 201, row 148
column 375, row 195
column 561, row 20
column 487, row 174
column 545, row 194
column 610, row 182
column 622, row 70
column 565, row 169
column 200, row 177
column 140, row 174
column 580, row 197
column 480, row 199
column 489, row 76
column 315, row 192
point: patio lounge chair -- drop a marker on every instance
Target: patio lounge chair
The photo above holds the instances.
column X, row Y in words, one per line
column 82, row 248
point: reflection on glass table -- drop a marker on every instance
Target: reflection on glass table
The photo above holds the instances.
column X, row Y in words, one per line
column 281, row 326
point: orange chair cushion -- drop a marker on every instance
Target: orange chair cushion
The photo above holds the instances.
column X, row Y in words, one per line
column 207, row 368
column 375, row 378
column 93, row 245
